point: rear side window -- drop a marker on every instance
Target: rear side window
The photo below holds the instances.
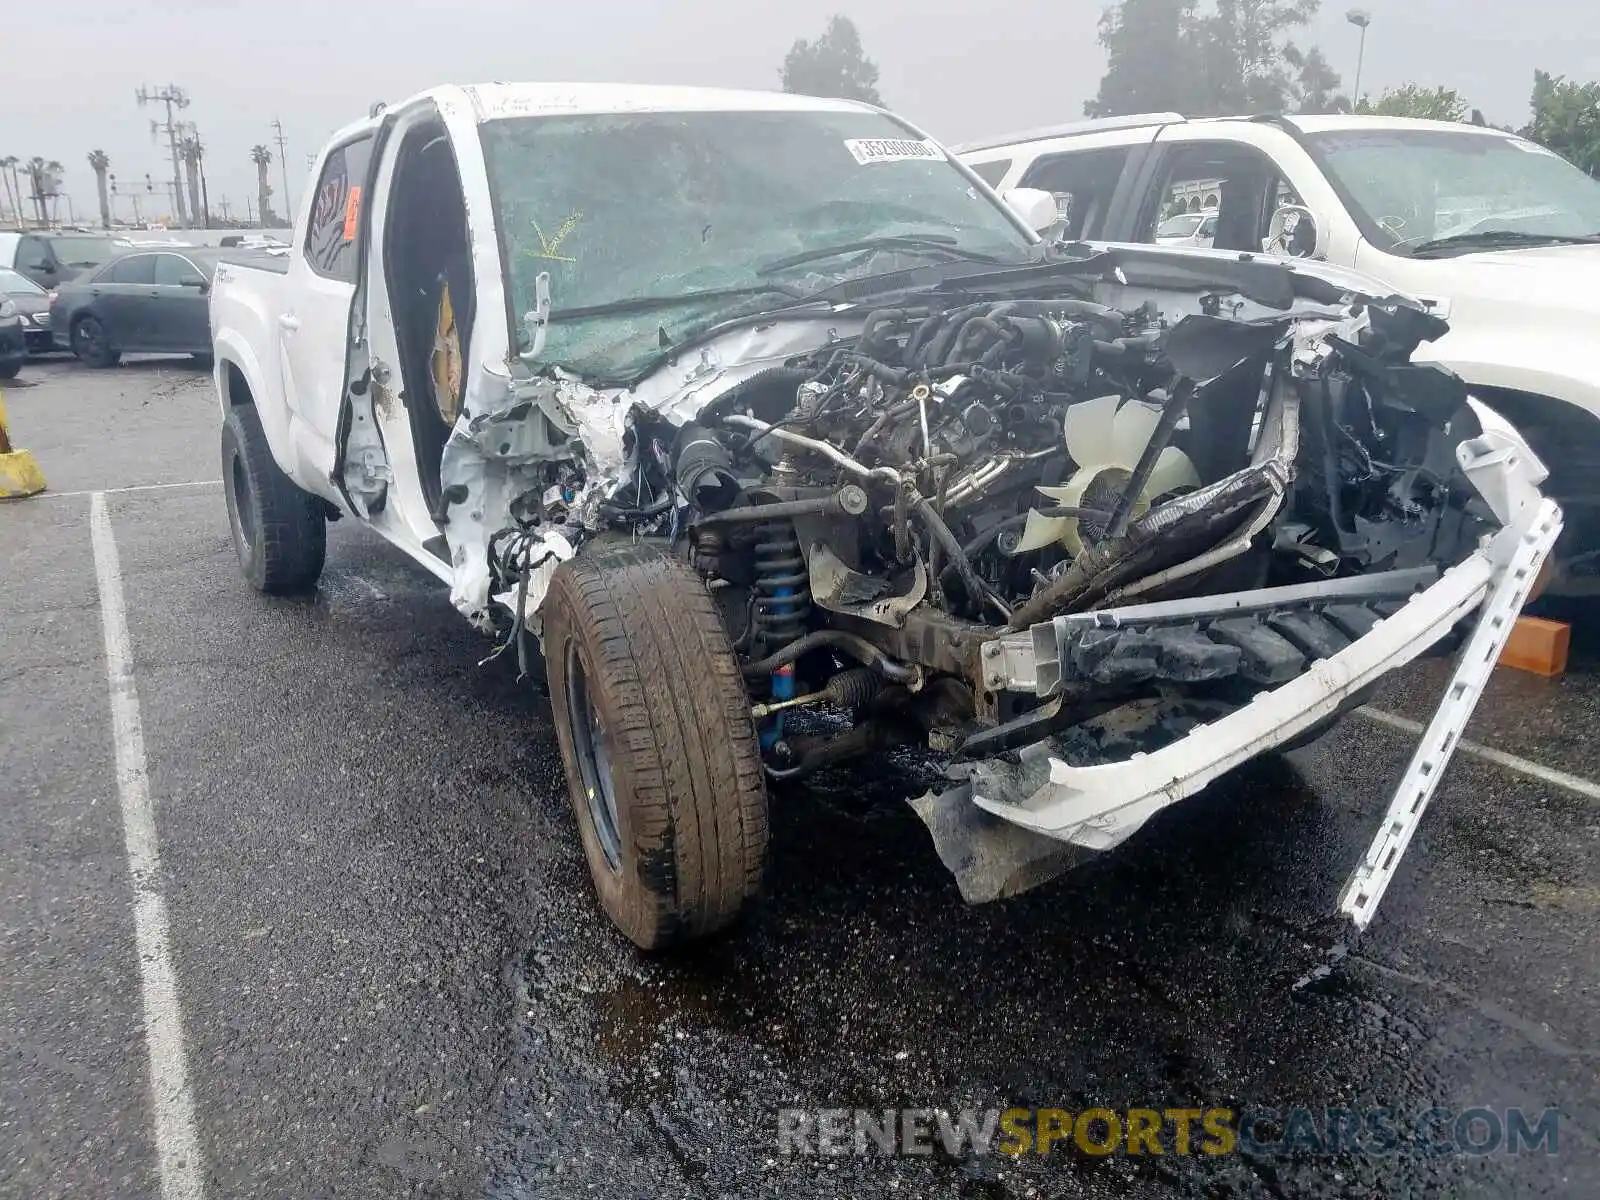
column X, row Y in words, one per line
column 33, row 253
column 991, row 172
column 336, row 211
column 173, row 270
column 141, row 268
column 1082, row 182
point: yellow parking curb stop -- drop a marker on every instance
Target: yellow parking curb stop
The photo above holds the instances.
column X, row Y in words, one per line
column 19, row 472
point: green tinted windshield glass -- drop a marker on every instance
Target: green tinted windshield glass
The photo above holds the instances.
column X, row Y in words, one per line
column 622, row 206
column 1414, row 185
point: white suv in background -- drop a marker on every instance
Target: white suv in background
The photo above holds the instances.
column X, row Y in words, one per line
column 1495, row 233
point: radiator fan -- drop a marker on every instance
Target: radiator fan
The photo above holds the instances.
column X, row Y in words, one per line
column 1105, row 438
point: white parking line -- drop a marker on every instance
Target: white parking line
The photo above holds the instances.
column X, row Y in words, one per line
column 177, row 1146
column 1522, row 766
column 137, row 487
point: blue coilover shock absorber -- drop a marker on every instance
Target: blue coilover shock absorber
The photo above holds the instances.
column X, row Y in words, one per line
column 783, row 605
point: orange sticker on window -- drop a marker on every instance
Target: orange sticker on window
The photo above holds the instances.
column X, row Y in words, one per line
column 352, row 213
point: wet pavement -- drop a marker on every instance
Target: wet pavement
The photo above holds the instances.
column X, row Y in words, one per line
column 394, row 981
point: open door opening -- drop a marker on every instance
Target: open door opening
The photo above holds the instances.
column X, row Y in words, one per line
column 428, row 262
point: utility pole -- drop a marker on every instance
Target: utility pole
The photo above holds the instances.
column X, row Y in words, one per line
column 174, row 97
column 283, row 165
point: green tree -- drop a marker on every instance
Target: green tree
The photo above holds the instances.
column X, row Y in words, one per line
column 833, row 65
column 1414, row 100
column 1566, row 118
column 1247, row 52
column 1152, row 60
column 1234, row 58
column 1315, row 87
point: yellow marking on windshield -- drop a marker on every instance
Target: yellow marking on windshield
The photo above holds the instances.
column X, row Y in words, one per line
column 549, row 245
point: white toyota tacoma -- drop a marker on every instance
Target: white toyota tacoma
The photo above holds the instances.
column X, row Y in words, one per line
column 784, row 440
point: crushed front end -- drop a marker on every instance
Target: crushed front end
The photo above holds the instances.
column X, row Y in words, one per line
column 1092, row 545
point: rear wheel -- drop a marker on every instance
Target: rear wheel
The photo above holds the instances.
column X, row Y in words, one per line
column 91, row 342
column 279, row 531
column 657, row 741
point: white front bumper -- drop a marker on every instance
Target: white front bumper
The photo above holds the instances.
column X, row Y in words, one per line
column 1099, row 806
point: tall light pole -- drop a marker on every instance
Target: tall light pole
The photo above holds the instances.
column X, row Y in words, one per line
column 1360, row 18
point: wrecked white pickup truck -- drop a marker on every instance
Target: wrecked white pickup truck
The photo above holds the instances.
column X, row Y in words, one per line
column 735, row 405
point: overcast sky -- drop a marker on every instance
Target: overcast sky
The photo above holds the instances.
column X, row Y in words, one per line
column 961, row 70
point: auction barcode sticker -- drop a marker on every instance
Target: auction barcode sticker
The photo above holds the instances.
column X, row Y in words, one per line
column 871, row 150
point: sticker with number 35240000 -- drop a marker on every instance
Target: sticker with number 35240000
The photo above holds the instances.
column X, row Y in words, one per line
column 875, row 150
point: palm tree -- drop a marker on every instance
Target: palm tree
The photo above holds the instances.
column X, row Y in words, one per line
column 100, row 163
column 190, row 151
column 36, row 168
column 262, row 157
column 8, row 176
column 54, row 169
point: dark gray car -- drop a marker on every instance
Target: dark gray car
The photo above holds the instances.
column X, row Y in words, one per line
column 143, row 301
column 31, row 304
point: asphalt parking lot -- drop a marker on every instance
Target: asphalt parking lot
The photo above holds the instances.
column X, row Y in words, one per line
column 390, row 978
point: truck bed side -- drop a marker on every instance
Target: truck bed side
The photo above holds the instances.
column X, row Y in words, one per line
column 247, row 297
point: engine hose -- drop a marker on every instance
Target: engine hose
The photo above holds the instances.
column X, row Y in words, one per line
column 967, row 344
column 938, row 347
column 880, row 370
column 853, row 644
column 940, row 532
column 921, row 335
column 622, row 512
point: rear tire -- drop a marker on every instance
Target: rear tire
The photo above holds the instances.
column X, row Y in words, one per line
column 91, row 342
column 279, row 530
column 660, row 752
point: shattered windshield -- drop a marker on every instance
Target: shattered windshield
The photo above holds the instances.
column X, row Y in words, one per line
column 773, row 206
column 1415, row 185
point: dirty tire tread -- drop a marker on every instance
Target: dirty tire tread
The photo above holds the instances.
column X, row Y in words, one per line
column 690, row 790
column 291, row 526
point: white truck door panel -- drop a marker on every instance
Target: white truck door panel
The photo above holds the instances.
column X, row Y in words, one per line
column 312, row 325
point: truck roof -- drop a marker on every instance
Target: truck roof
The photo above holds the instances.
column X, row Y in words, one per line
column 492, row 101
column 1306, row 123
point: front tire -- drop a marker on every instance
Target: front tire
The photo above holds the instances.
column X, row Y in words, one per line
column 10, row 368
column 654, row 724
column 91, row 342
column 279, row 531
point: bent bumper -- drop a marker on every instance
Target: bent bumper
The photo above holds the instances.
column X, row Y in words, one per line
column 1096, row 807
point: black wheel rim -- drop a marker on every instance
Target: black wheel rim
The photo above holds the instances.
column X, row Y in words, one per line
column 91, row 336
column 594, row 761
column 244, row 513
